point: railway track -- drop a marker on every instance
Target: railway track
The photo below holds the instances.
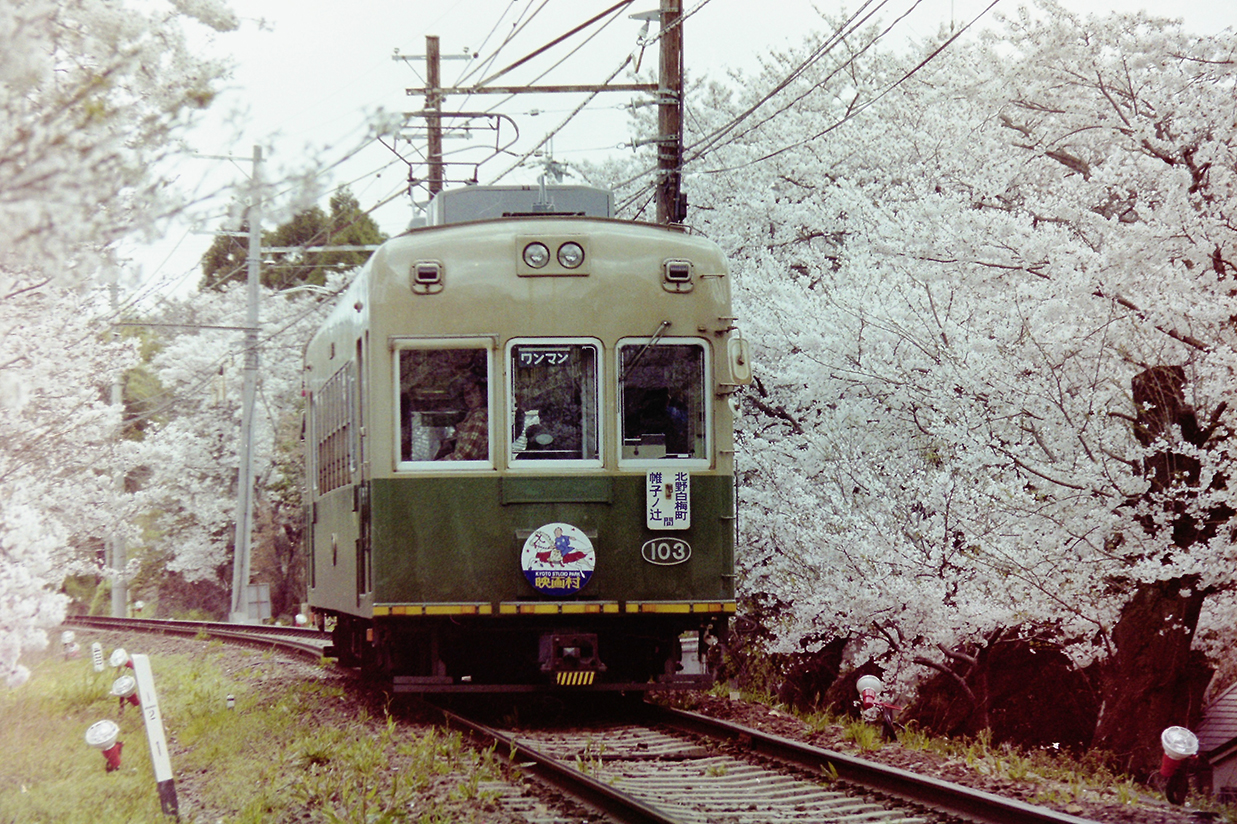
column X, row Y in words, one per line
column 665, row 766
column 307, row 643
column 655, row 765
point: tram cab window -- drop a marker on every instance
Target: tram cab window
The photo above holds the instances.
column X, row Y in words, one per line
column 444, row 400
column 662, row 401
column 553, row 413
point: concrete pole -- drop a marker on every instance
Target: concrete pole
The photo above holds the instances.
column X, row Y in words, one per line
column 120, row 589
column 244, row 492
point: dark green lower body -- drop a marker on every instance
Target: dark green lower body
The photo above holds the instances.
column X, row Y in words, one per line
column 460, row 539
column 453, row 606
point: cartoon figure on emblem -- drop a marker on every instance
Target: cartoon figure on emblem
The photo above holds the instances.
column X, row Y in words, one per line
column 561, row 553
column 558, row 559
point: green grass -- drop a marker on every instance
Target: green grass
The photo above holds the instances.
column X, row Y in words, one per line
column 49, row 773
column 295, row 754
column 863, row 735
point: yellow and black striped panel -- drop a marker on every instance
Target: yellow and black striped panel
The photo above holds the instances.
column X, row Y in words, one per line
column 580, row 678
column 558, row 608
column 681, row 607
column 479, row 608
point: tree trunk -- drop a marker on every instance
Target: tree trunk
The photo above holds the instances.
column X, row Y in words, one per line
column 1153, row 680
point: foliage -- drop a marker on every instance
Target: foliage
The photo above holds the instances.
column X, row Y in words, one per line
column 226, row 261
column 93, row 95
column 954, row 274
column 863, row 735
column 58, row 458
column 192, row 455
column 190, row 448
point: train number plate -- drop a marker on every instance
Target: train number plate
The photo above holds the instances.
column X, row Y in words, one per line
column 666, row 551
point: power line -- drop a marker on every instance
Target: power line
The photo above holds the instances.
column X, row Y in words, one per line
column 516, row 28
column 612, row 10
column 839, row 36
column 713, row 142
column 550, row 135
column 433, row 94
column 174, row 282
column 856, row 110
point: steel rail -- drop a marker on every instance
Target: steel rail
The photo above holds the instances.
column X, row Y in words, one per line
column 970, row 804
column 308, row 643
column 966, row 803
column 619, row 806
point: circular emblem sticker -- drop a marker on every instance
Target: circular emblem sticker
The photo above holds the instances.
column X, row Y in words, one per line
column 558, row 559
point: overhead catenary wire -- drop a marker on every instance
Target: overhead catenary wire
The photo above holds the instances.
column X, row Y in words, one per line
column 480, row 49
column 838, row 36
column 619, row 6
column 701, row 146
column 644, row 43
column 519, row 26
column 550, row 135
column 712, row 143
column 614, row 13
column 831, row 42
column 857, row 110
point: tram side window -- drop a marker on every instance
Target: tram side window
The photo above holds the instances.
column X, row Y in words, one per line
column 444, row 405
column 553, row 413
column 662, row 395
column 332, row 425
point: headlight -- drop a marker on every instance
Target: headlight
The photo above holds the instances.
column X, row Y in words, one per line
column 570, row 255
column 536, row 255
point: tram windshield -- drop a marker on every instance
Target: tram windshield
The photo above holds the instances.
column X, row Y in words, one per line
column 662, row 399
column 444, row 405
column 553, row 411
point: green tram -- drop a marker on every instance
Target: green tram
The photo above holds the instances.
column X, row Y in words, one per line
column 520, row 456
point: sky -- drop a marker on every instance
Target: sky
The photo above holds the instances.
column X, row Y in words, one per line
column 309, row 76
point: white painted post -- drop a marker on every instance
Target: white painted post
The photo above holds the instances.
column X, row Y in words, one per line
column 154, row 734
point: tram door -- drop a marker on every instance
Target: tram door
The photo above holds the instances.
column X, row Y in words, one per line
column 364, row 546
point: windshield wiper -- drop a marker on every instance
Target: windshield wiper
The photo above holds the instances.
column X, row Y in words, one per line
column 665, row 324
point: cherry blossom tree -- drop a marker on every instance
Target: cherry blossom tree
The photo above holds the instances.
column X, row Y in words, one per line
column 93, row 96
column 192, row 454
column 58, row 456
column 990, row 294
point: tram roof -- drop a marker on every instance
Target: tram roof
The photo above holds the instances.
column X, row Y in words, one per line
column 472, row 203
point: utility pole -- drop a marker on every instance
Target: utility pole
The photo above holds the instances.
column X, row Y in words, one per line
column 120, row 589
column 671, row 203
column 434, row 94
column 433, row 112
column 244, row 493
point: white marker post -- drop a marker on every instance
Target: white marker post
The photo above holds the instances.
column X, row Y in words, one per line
column 154, row 734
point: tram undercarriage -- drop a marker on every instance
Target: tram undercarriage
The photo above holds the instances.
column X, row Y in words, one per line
column 488, row 654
